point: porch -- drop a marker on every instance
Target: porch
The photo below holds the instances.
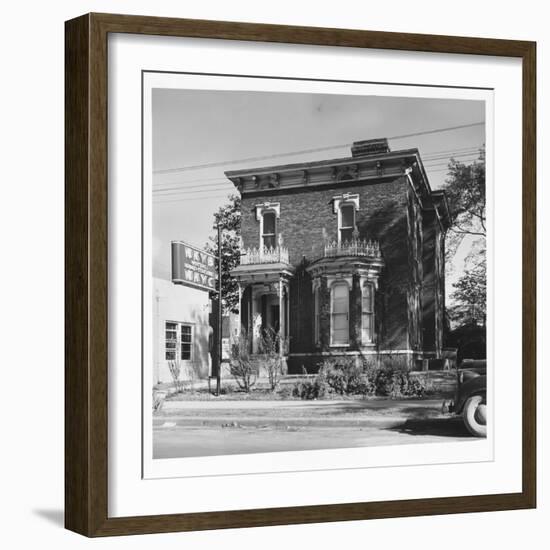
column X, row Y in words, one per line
column 263, row 282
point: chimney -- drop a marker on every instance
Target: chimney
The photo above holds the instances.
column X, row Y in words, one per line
column 370, row 147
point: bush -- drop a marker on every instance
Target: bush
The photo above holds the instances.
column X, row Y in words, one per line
column 158, row 400
column 311, row 389
column 270, row 359
column 343, row 376
column 242, row 366
column 397, row 382
column 347, row 377
column 175, row 370
column 285, row 391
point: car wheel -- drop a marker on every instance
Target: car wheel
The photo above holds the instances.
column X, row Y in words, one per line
column 475, row 415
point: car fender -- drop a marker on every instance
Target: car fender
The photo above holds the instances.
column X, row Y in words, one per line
column 474, row 386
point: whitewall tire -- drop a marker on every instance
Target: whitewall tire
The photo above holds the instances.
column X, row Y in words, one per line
column 475, row 416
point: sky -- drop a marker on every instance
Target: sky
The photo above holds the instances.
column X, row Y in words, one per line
column 224, row 128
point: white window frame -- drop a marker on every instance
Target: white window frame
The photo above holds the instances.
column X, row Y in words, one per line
column 316, row 313
column 179, row 341
column 262, row 234
column 261, row 209
column 339, row 282
column 166, row 348
column 340, row 222
column 372, row 286
column 345, row 200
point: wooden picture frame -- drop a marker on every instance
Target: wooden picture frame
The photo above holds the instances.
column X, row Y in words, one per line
column 86, row 220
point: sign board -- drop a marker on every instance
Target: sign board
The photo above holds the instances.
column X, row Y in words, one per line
column 192, row 266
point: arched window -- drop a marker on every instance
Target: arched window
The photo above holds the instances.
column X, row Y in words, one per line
column 347, row 222
column 269, row 229
column 316, row 316
column 339, row 327
column 367, row 313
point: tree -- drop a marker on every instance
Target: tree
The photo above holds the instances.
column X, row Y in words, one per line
column 471, row 297
column 229, row 218
column 465, row 191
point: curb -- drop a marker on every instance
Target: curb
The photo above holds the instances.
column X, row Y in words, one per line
column 237, row 422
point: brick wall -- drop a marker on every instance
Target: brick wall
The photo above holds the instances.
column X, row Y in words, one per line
column 430, row 280
column 305, row 213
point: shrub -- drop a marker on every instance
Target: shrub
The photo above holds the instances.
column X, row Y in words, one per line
column 311, row 389
column 346, row 377
column 242, row 366
column 416, row 387
column 343, row 376
column 396, row 382
column 286, row 391
column 270, row 357
column 158, row 400
column 175, row 370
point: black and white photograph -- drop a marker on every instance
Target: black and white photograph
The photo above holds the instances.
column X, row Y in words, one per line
column 318, row 271
column 273, row 276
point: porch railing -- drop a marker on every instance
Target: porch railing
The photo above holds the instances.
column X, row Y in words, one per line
column 354, row 247
column 252, row 256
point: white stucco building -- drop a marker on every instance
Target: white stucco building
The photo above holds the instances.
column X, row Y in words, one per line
column 181, row 329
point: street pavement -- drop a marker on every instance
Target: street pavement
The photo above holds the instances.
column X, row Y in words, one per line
column 209, row 428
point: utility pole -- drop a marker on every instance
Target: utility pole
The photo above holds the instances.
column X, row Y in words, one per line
column 219, row 373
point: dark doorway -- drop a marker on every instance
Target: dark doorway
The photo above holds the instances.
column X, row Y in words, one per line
column 275, row 319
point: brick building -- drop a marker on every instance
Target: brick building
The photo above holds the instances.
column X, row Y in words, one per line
column 344, row 256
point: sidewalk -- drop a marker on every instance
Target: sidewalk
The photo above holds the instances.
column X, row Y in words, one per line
column 297, row 413
column 374, row 404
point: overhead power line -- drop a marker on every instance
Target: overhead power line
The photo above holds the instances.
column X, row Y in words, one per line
column 426, row 157
column 205, row 197
column 228, row 186
column 175, row 196
column 306, row 151
column 183, row 185
column 215, row 185
column 183, row 191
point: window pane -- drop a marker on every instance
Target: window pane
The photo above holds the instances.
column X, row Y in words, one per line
column 170, row 356
column 340, row 306
column 340, row 293
column 340, row 321
column 186, row 352
column 171, row 326
column 316, row 309
column 367, row 299
column 269, row 241
column 367, row 335
column 346, row 235
column 269, row 223
column 347, row 216
column 185, row 333
column 340, row 317
column 340, row 333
